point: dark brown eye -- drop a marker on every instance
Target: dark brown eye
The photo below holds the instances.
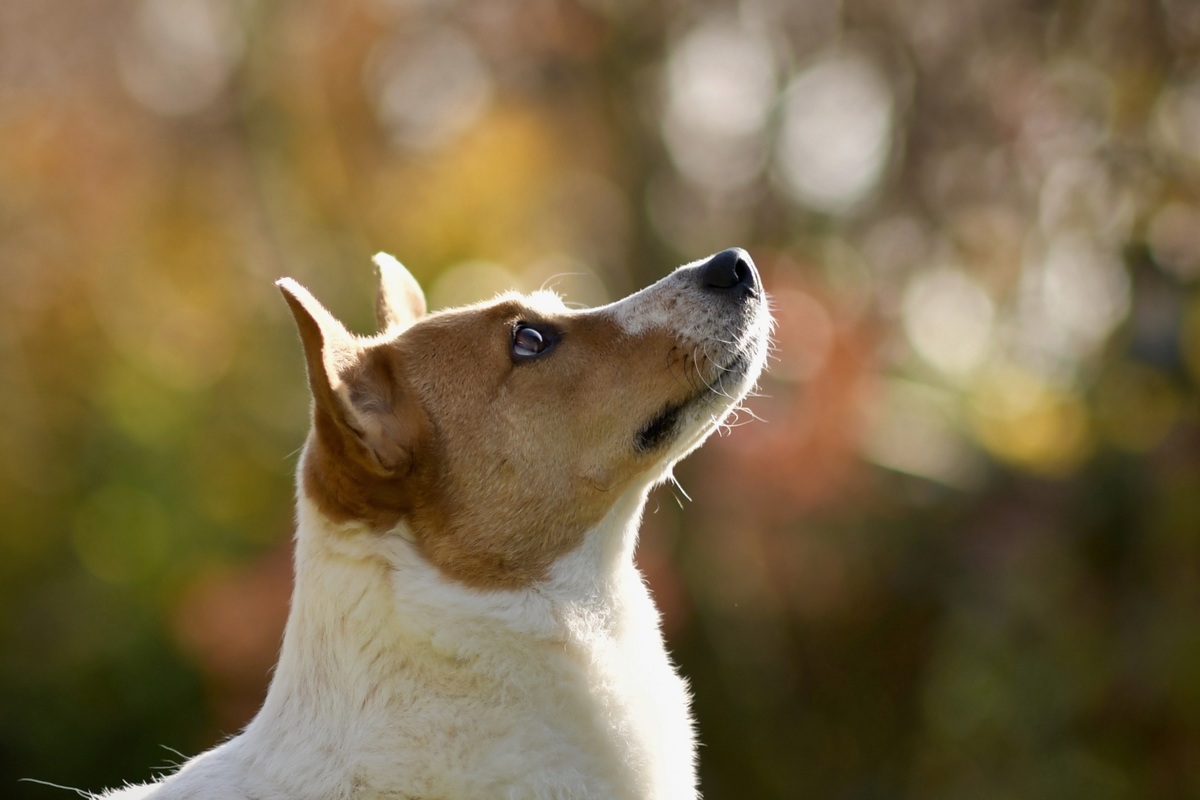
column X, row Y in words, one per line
column 528, row 342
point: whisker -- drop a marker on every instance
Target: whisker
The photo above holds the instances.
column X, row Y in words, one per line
column 80, row 792
column 546, row 285
column 678, row 486
column 173, row 751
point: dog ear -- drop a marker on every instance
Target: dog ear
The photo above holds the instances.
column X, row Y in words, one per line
column 400, row 301
column 351, row 385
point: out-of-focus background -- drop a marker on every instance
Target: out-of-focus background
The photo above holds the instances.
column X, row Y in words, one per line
column 959, row 558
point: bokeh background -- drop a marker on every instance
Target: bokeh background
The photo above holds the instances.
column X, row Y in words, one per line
column 959, row 557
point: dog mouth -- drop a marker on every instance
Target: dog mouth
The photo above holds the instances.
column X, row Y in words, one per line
column 670, row 421
column 661, row 428
column 719, row 318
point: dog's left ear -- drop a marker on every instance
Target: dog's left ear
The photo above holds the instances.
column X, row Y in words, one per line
column 400, row 301
column 355, row 399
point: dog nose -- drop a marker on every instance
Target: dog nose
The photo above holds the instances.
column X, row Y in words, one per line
column 729, row 269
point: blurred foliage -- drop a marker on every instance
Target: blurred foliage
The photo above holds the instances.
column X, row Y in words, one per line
column 959, row 559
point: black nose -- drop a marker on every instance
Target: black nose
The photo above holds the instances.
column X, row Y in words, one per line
column 729, row 269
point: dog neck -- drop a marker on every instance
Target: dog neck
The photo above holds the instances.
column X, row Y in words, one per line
column 347, row 577
column 375, row 631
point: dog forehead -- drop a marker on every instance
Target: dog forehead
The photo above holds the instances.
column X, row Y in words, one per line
column 542, row 301
column 477, row 318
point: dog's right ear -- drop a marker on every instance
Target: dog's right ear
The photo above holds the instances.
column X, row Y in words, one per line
column 350, row 386
column 400, row 302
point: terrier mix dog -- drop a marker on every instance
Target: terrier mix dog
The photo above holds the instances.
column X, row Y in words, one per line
column 467, row 620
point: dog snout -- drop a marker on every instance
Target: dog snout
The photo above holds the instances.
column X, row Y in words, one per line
column 730, row 270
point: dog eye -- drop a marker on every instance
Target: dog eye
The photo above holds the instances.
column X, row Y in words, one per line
column 528, row 342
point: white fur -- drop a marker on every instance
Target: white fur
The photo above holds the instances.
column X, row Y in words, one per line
column 563, row 690
column 395, row 681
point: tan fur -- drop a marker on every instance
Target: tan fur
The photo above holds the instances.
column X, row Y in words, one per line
column 420, row 425
column 508, row 446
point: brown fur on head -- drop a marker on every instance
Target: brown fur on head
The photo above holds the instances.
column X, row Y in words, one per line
column 498, row 465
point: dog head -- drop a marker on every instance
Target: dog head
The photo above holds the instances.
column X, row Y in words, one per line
column 497, row 434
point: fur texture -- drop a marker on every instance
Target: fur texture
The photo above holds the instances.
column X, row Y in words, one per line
column 467, row 620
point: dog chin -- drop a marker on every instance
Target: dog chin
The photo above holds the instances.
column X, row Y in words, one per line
column 704, row 411
column 707, row 411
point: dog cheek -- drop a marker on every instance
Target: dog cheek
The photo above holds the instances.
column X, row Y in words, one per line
column 599, row 478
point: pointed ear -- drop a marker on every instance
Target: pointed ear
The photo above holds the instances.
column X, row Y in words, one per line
column 400, row 302
column 350, row 386
column 329, row 348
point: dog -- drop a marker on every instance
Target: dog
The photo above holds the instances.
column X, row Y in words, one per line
column 467, row 619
